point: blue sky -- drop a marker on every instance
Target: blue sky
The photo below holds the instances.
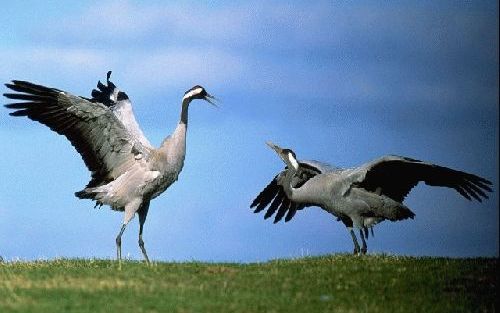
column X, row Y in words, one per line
column 338, row 82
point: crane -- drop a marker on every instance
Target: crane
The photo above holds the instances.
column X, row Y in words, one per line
column 127, row 172
column 359, row 197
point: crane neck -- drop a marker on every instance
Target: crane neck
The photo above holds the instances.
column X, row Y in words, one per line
column 184, row 111
column 301, row 194
column 169, row 157
column 173, row 149
column 179, row 135
column 289, row 190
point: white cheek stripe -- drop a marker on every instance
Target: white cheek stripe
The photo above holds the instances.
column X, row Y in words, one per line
column 192, row 93
column 294, row 162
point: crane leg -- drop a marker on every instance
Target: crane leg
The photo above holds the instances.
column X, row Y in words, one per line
column 141, row 245
column 143, row 212
column 130, row 210
column 119, row 243
column 355, row 241
column 364, row 248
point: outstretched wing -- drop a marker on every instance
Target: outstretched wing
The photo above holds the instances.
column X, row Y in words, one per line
column 274, row 196
column 395, row 176
column 106, row 146
column 120, row 105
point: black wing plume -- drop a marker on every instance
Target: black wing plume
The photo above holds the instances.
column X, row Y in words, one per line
column 104, row 94
column 266, row 195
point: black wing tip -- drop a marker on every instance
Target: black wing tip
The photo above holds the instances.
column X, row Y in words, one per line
column 255, row 202
column 26, row 87
column 486, row 181
column 481, row 181
column 266, row 195
column 19, row 113
column 16, row 106
column 28, row 94
column 476, row 187
column 281, row 212
column 287, row 211
column 259, row 209
column 485, row 184
column 14, row 85
column 290, row 215
column 463, row 193
column 15, row 82
column 279, row 215
column 270, row 211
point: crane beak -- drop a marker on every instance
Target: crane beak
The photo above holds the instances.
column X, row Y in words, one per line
column 286, row 155
column 211, row 99
column 274, row 147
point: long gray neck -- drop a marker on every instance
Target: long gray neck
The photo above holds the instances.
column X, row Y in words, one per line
column 179, row 134
column 173, row 149
column 184, row 111
column 308, row 193
column 287, row 186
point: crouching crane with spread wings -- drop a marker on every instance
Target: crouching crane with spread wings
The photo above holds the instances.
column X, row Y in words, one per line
column 360, row 197
column 126, row 170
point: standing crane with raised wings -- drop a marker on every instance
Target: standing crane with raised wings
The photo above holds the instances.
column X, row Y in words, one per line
column 362, row 196
column 126, row 170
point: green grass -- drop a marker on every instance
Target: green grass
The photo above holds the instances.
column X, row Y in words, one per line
column 336, row 283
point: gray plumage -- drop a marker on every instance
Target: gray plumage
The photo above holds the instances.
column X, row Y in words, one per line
column 360, row 197
column 126, row 170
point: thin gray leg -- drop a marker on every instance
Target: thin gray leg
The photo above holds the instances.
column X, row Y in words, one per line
column 141, row 245
column 119, row 243
column 355, row 241
column 363, row 247
column 365, row 230
column 143, row 212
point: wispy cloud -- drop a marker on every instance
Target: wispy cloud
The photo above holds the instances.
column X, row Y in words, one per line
column 362, row 52
column 184, row 67
column 41, row 62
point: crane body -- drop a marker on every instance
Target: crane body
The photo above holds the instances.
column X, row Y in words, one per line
column 359, row 197
column 127, row 172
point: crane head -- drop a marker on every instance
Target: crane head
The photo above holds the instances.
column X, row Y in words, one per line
column 287, row 155
column 198, row 92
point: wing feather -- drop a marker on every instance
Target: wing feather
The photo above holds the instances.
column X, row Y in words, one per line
column 95, row 132
column 291, row 213
column 396, row 176
column 266, row 195
column 120, row 105
column 274, row 195
column 283, row 207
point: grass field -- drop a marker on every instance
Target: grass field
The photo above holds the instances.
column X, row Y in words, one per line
column 335, row 283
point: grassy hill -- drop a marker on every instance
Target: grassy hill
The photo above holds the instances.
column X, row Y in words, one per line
column 335, row 283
